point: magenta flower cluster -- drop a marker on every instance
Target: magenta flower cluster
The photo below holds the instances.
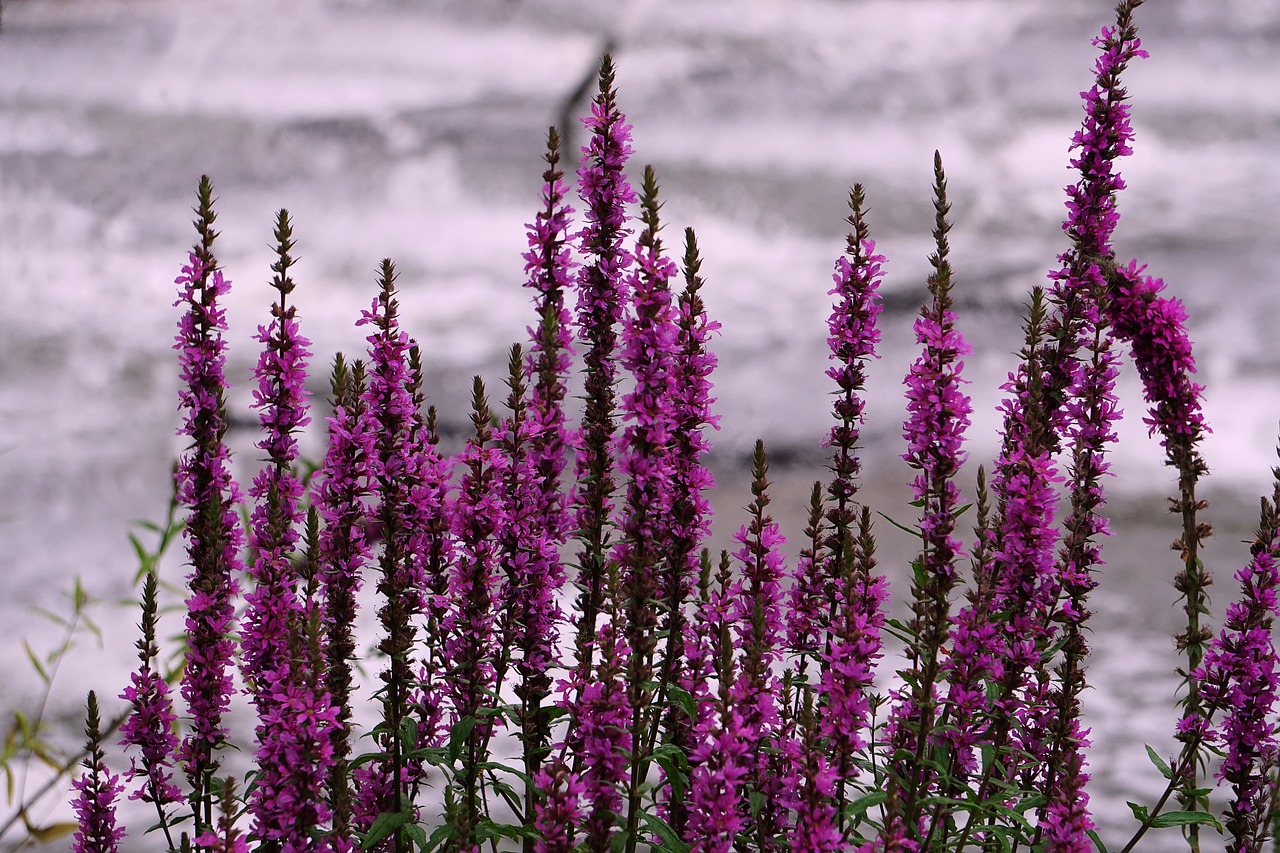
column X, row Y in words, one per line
column 562, row 664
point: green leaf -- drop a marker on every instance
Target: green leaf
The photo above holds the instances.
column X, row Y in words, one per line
column 684, row 700
column 443, row 833
column 1140, row 812
column 458, row 737
column 1185, row 819
column 1160, row 764
column 865, row 803
column 35, row 661
column 659, row 827
column 1097, row 841
column 387, row 823
column 488, row 829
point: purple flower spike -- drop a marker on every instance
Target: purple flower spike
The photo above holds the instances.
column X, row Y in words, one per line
column 604, row 721
column 557, row 812
column 1241, row 675
column 601, row 297
column 294, row 749
column 205, row 487
column 96, row 792
column 937, row 411
column 720, row 765
column 1156, row 328
column 150, row 726
column 1066, row 823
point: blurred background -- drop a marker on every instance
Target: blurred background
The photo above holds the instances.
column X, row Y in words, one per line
column 414, row 130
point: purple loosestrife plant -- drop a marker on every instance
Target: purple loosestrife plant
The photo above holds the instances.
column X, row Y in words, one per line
column 605, row 192
column 394, row 471
column 549, row 266
column 556, row 812
column 937, row 416
column 96, row 792
column 343, row 552
column 150, row 726
column 295, row 715
column 528, row 615
column 206, row 489
column 471, row 646
column 1241, row 674
column 690, row 516
column 648, row 341
column 757, row 627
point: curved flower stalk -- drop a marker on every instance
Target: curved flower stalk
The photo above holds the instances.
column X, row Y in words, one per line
column 96, row 792
column 605, row 192
column 205, row 487
column 150, row 726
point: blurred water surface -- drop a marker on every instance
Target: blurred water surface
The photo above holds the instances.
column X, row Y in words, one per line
column 414, row 130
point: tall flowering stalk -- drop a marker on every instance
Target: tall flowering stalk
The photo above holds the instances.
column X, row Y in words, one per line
column 150, row 725
column 295, row 715
column 757, row 626
column 394, row 471
column 205, row 487
column 96, row 792
column 938, row 414
column 852, row 338
column 850, row 596
column 549, row 265
column 605, row 192
column 471, row 647
column 689, row 521
column 1241, row 674
column 343, row 552
column 648, row 342
column 1092, row 411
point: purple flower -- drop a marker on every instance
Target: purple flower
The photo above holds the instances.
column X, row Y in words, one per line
column 477, row 517
column 556, row 811
column 396, row 471
column 1155, row 327
column 811, row 786
column 96, row 792
column 150, row 725
column 720, row 766
column 295, row 714
column 205, row 487
column 604, row 721
column 601, row 296
column 342, row 553
column 1066, row 822
column 1241, row 675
